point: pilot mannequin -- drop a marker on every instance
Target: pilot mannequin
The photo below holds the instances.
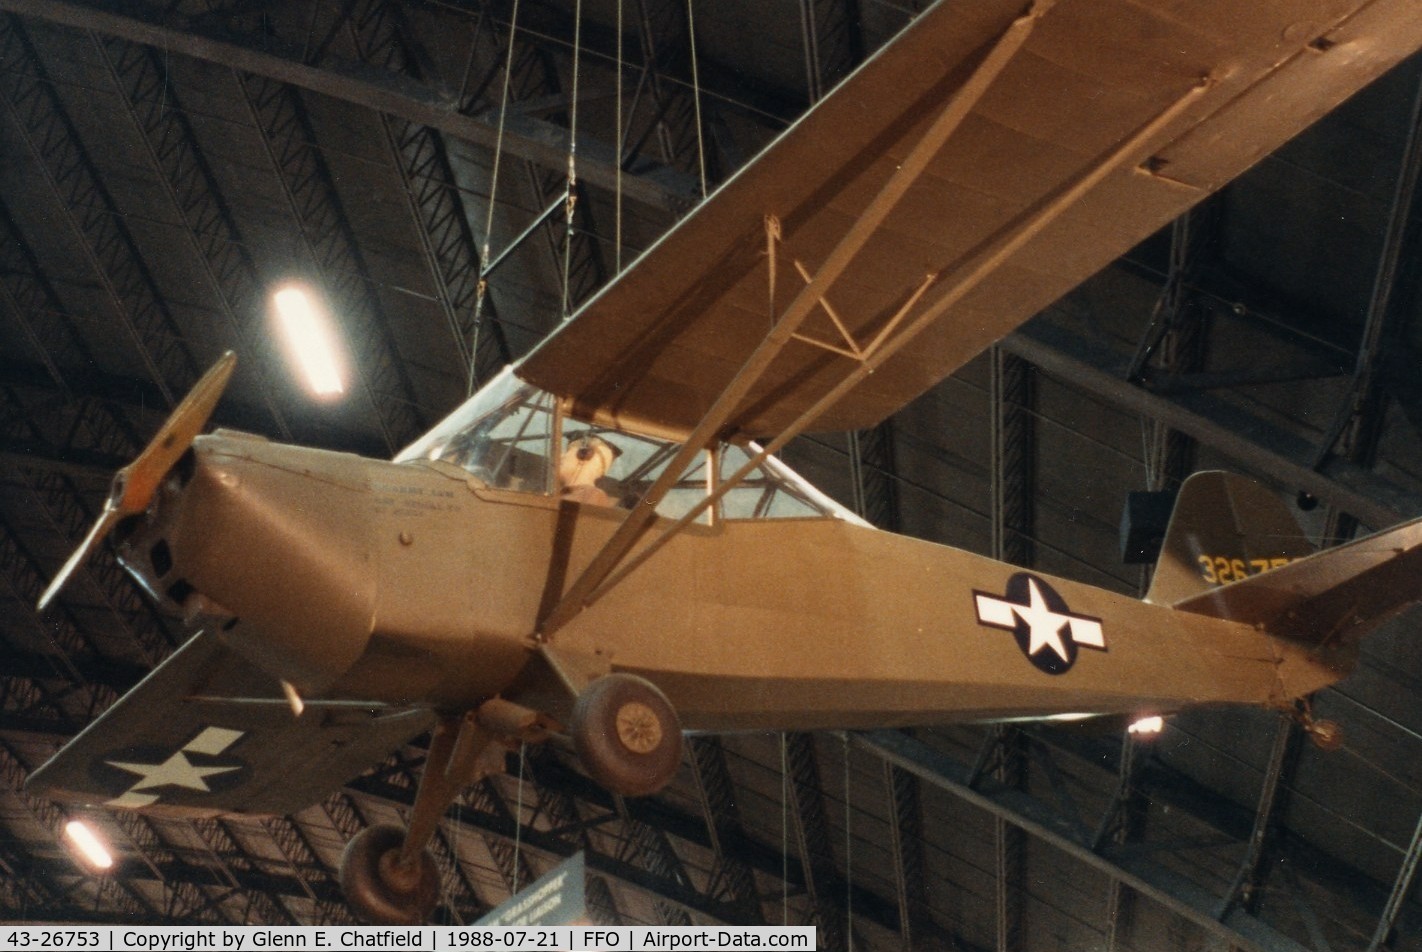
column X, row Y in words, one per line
column 587, row 459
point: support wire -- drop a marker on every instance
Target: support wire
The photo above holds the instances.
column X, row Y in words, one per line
column 571, row 196
column 483, row 288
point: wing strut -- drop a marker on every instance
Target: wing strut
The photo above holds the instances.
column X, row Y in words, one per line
column 787, row 326
column 1006, row 242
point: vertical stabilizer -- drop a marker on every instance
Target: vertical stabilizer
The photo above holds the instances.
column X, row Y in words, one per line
column 1225, row 529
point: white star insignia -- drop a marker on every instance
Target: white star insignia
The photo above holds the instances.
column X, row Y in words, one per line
column 177, row 770
column 1046, row 627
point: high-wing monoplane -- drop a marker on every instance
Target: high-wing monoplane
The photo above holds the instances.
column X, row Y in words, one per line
column 601, row 543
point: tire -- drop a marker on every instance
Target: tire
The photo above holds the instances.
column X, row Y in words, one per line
column 627, row 735
column 375, row 889
column 1326, row 735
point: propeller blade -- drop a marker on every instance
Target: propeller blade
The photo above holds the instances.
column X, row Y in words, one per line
column 79, row 556
column 135, row 484
column 142, row 477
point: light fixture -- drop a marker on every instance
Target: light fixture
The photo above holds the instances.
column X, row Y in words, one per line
column 91, row 850
column 309, row 339
column 1147, row 726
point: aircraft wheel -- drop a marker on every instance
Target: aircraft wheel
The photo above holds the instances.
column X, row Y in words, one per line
column 627, row 735
column 1326, row 735
column 378, row 889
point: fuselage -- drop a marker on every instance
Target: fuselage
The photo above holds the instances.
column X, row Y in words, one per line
column 417, row 583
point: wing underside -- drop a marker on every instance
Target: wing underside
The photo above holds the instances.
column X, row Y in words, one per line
column 206, row 733
column 1191, row 94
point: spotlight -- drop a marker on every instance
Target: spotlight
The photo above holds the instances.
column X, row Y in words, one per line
column 309, row 339
column 91, row 850
column 1147, row 726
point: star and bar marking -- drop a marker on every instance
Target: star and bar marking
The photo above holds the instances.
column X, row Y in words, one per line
column 1047, row 632
column 177, row 770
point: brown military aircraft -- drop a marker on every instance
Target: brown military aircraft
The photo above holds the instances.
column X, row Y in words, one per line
column 595, row 546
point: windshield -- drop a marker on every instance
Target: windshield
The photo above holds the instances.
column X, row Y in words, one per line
column 511, row 436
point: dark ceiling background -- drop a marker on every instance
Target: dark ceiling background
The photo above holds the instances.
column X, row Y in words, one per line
column 163, row 165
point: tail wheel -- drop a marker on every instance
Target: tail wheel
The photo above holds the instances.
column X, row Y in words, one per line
column 1326, row 735
column 627, row 735
column 378, row 888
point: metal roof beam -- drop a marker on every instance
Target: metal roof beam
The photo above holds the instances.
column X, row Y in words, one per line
column 654, row 884
column 1385, row 934
column 269, row 57
column 30, row 97
column 436, row 205
column 1227, row 427
column 171, row 872
column 59, row 626
column 1122, row 823
column 1358, row 427
column 757, row 855
column 905, row 817
column 1252, row 870
column 114, row 401
column 832, row 43
column 807, row 813
column 653, row 851
column 59, row 502
column 211, row 231
column 874, row 478
column 716, row 792
column 1013, row 398
column 1022, row 810
column 332, row 248
column 13, row 774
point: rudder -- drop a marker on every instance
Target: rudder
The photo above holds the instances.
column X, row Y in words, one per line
column 1225, row 528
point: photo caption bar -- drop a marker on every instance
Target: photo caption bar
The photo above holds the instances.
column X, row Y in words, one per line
column 398, row 938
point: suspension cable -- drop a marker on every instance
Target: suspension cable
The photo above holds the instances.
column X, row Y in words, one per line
column 518, row 819
column 696, row 94
column 784, row 832
column 617, row 144
column 571, row 196
column 848, row 851
column 483, row 286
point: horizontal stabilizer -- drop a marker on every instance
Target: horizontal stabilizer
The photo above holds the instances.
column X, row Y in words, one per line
column 1327, row 599
column 207, row 733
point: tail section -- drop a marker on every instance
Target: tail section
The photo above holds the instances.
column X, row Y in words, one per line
column 1225, row 529
column 1233, row 550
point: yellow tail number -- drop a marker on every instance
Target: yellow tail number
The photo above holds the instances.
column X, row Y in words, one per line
column 1221, row 570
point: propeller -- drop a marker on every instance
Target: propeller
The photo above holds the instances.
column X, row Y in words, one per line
column 135, row 485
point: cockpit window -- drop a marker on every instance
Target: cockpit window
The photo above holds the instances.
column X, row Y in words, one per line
column 771, row 491
column 503, row 436
column 510, row 436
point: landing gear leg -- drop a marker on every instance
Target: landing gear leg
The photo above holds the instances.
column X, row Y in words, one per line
column 388, row 876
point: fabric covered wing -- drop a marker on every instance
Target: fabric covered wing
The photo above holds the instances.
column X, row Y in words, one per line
column 653, row 350
column 207, row 733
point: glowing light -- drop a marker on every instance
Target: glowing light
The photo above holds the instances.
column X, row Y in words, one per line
column 92, row 850
column 1147, row 726
column 310, row 340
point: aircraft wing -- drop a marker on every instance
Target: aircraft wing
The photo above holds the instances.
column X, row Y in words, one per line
column 208, row 733
column 1005, row 214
